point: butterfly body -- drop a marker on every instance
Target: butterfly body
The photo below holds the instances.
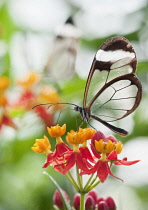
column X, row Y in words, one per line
column 84, row 112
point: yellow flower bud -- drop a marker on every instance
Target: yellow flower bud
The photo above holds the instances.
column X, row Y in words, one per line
column 42, row 146
column 108, row 146
column 56, row 131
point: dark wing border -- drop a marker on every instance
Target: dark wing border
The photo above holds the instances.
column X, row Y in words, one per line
column 133, row 79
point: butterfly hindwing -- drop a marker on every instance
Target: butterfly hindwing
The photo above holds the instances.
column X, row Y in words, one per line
column 118, row 98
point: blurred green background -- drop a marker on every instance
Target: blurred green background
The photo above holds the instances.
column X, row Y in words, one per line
column 27, row 34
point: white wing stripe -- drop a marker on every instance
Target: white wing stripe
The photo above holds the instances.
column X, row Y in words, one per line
column 113, row 56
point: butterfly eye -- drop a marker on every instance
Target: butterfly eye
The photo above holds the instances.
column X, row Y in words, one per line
column 76, row 108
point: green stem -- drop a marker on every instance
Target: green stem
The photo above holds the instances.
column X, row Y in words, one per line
column 89, row 180
column 72, row 181
column 79, row 178
column 82, row 201
column 93, row 186
column 92, row 182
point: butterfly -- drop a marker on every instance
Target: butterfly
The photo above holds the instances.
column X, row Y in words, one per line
column 112, row 90
column 63, row 55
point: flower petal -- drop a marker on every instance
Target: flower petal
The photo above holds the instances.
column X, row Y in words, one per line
column 82, row 163
column 112, row 138
column 126, row 163
column 49, row 160
column 86, row 154
column 112, row 155
column 97, row 136
column 90, row 171
column 61, row 149
column 103, row 170
column 70, row 162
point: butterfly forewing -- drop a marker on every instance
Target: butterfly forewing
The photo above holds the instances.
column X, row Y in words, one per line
column 112, row 90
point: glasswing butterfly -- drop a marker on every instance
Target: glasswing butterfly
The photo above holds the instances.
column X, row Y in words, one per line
column 112, row 90
column 62, row 59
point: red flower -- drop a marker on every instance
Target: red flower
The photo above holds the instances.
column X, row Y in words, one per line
column 44, row 114
column 61, row 152
column 97, row 137
column 106, row 150
column 57, row 157
column 27, row 99
column 76, row 158
column 111, row 203
column 86, row 154
column 89, row 203
column 58, row 200
column 56, row 162
column 6, row 120
column 76, row 201
column 102, row 167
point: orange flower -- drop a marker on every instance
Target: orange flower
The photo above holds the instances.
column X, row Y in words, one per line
column 88, row 132
column 42, row 146
column 56, row 131
column 81, row 136
column 4, row 83
column 3, row 100
column 108, row 146
column 48, row 93
column 30, row 80
column 75, row 137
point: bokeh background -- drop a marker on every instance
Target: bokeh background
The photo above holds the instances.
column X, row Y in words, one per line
column 28, row 52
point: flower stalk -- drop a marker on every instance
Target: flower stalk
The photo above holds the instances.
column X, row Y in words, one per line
column 82, row 201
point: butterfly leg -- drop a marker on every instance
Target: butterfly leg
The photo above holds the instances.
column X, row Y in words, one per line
column 82, row 122
column 91, row 126
column 60, row 112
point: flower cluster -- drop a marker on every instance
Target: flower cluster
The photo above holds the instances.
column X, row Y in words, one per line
column 33, row 92
column 92, row 201
column 96, row 159
column 25, row 94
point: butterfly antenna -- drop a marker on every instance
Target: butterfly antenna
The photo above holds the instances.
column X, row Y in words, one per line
column 51, row 104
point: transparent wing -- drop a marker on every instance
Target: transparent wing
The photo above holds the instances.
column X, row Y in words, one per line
column 118, row 98
column 61, row 61
column 116, row 57
column 112, row 90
